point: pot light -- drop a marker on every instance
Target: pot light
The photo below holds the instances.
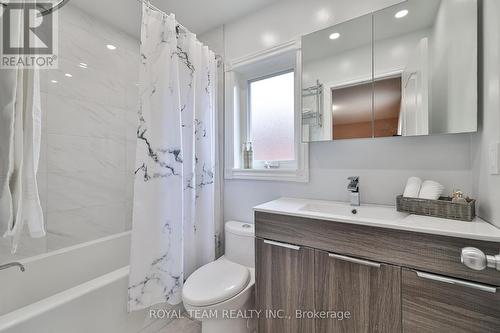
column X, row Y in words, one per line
column 83, row 65
column 111, row 47
column 401, row 14
column 333, row 36
column 68, row 75
column 53, row 81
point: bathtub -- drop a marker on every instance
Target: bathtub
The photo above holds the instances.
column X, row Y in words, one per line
column 77, row 289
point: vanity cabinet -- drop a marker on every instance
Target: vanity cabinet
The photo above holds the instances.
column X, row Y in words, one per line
column 389, row 280
column 369, row 290
column 284, row 283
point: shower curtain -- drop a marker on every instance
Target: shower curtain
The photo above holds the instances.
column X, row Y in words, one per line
column 20, row 136
column 173, row 211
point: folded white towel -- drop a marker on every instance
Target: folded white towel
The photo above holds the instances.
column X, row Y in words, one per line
column 412, row 188
column 431, row 190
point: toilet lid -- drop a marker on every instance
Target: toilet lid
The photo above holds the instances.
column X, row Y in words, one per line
column 215, row 282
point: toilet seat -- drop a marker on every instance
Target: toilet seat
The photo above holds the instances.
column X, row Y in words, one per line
column 215, row 282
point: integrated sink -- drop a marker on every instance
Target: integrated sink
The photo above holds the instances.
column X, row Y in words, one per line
column 380, row 216
column 344, row 210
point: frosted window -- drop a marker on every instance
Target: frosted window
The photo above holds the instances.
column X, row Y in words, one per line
column 272, row 118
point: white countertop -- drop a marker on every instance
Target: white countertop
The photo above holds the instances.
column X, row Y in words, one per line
column 477, row 229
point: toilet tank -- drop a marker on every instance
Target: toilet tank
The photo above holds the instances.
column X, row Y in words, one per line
column 240, row 242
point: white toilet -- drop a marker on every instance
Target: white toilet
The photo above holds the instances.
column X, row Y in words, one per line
column 219, row 293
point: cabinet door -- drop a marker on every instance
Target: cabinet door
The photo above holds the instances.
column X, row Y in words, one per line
column 284, row 282
column 435, row 304
column 369, row 291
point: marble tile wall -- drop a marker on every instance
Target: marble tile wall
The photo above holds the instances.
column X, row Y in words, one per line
column 88, row 135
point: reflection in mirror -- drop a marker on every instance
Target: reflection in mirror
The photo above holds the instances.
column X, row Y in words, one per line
column 352, row 111
column 430, row 48
column 336, row 80
column 410, row 69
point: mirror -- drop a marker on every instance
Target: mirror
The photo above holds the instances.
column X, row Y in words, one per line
column 336, row 82
column 407, row 70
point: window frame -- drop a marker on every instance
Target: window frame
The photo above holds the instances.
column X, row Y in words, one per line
column 236, row 112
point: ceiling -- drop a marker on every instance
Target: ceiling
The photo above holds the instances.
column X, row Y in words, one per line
column 197, row 15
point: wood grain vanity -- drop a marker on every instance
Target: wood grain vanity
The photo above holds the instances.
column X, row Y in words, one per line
column 389, row 280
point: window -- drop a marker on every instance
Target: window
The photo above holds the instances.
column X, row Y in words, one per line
column 271, row 112
column 262, row 106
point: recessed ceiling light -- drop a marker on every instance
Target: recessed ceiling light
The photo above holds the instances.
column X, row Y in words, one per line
column 111, row 47
column 53, row 81
column 83, row 65
column 401, row 14
column 68, row 75
column 333, row 36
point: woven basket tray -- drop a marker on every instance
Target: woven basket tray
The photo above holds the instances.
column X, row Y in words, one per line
column 443, row 208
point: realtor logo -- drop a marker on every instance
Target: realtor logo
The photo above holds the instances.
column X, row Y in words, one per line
column 29, row 35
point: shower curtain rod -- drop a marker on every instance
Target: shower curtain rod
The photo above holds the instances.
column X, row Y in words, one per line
column 153, row 7
column 44, row 10
column 180, row 26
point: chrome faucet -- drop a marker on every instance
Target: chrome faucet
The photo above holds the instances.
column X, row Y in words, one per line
column 13, row 264
column 353, row 187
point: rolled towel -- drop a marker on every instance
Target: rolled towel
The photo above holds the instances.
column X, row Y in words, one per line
column 431, row 190
column 412, row 188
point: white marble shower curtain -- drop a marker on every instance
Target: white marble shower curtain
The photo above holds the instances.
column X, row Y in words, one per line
column 173, row 220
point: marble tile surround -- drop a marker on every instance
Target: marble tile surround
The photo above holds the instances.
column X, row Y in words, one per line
column 88, row 136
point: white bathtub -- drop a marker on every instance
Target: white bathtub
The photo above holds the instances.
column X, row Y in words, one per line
column 76, row 289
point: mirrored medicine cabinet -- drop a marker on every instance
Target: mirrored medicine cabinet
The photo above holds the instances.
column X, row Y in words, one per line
column 407, row 70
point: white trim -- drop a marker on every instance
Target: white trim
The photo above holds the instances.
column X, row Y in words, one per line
column 233, row 123
column 290, row 175
column 364, row 79
column 264, row 54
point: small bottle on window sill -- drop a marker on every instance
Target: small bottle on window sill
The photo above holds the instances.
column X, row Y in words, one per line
column 247, row 155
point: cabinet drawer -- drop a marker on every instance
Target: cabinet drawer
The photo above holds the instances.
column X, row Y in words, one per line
column 433, row 303
column 369, row 291
column 426, row 252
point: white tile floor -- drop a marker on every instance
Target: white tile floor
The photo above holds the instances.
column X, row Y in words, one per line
column 182, row 325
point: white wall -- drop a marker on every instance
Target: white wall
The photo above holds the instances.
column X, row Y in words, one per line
column 486, row 186
column 382, row 164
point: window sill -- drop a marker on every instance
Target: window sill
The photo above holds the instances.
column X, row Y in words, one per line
column 288, row 175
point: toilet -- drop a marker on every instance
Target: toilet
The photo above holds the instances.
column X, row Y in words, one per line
column 221, row 293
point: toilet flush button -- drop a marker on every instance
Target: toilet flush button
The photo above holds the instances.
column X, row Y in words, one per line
column 246, row 226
